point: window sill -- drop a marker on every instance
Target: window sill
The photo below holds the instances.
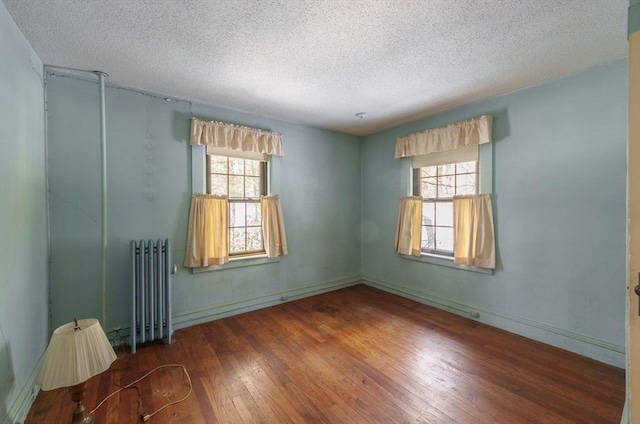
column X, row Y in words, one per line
column 447, row 262
column 239, row 262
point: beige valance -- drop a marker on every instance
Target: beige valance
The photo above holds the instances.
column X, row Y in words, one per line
column 235, row 137
column 459, row 134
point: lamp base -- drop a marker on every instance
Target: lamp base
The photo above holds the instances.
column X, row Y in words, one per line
column 80, row 415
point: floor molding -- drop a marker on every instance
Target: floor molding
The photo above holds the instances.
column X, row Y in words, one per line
column 19, row 409
column 209, row 313
column 120, row 334
column 599, row 350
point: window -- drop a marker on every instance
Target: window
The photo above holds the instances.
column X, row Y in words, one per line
column 232, row 163
column 437, row 184
column 243, row 181
column 441, row 164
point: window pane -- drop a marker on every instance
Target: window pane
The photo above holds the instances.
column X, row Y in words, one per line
column 466, row 167
column 236, row 186
column 428, row 171
column 428, row 213
column 237, row 214
column 254, row 214
column 428, row 241
column 424, row 242
column 254, row 238
column 466, row 184
column 447, row 169
column 252, row 167
column 237, row 240
column 236, row 166
column 428, row 188
column 218, row 164
column 438, row 187
column 218, row 184
column 240, row 179
column 444, row 214
column 252, row 187
column 444, row 239
column 446, row 186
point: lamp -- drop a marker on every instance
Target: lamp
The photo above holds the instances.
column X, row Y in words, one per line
column 77, row 351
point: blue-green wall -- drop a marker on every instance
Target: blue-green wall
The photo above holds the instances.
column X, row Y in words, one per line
column 149, row 189
column 559, row 195
column 24, row 328
column 634, row 16
column 559, row 203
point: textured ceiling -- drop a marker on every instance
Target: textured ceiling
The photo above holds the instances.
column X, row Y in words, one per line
column 320, row 62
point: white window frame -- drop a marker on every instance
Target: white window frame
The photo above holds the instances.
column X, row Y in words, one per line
column 417, row 191
column 264, row 165
column 198, row 186
column 485, row 185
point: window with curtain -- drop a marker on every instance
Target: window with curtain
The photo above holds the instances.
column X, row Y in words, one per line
column 232, row 216
column 243, row 181
column 450, row 170
column 437, row 179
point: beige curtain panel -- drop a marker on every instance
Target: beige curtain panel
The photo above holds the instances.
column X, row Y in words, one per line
column 473, row 233
column 235, row 137
column 409, row 228
column 465, row 133
column 207, row 239
column 274, row 236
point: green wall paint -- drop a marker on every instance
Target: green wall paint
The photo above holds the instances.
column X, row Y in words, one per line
column 559, row 178
column 559, row 172
column 24, row 326
column 559, row 196
column 149, row 190
column 634, row 17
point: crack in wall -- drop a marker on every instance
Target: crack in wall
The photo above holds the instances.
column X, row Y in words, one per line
column 85, row 213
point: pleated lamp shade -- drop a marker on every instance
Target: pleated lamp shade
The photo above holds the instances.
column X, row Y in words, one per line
column 75, row 355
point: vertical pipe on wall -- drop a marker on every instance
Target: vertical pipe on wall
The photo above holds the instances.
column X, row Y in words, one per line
column 46, row 173
column 633, row 218
column 103, row 167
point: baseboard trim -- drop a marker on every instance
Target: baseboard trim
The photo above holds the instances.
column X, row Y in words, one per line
column 625, row 412
column 599, row 350
column 119, row 334
column 209, row 313
column 22, row 404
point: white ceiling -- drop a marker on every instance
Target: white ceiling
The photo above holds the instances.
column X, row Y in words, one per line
column 320, row 62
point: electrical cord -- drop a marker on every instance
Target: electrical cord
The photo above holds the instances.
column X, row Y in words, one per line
column 140, row 411
column 143, row 415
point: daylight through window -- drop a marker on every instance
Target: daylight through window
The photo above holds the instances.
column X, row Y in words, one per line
column 243, row 181
column 437, row 185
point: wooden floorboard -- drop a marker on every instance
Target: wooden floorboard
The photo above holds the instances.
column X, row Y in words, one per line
column 357, row 355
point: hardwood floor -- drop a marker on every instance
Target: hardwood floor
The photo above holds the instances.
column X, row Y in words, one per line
column 357, row 355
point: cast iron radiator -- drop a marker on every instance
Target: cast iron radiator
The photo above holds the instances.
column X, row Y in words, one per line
column 150, row 292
